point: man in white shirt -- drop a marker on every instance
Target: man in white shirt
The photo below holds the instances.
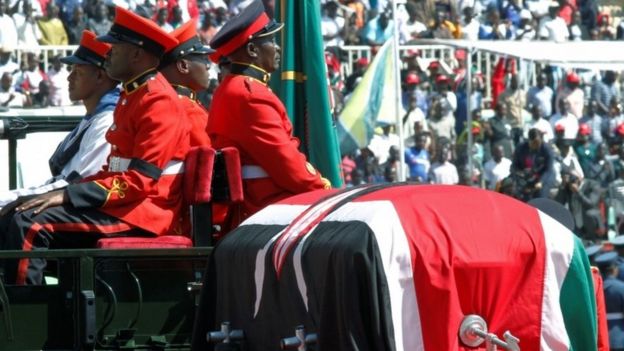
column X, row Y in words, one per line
column 8, row 32
column 573, row 95
column 332, row 25
column 28, row 80
column 541, row 95
column 470, row 25
column 7, row 64
column 8, row 96
column 497, row 168
column 59, row 86
column 540, row 123
column 28, row 32
column 411, row 28
column 413, row 116
column 566, row 160
column 553, row 27
column 443, row 171
column 381, row 143
column 525, row 31
column 565, row 120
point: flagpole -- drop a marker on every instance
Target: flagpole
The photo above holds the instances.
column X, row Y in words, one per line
column 397, row 80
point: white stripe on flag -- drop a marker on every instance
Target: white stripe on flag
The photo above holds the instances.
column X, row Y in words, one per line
column 259, row 272
column 276, row 215
column 289, row 237
column 559, row 250
column 298, row 267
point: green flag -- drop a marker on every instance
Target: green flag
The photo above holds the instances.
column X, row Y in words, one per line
column 301, row 83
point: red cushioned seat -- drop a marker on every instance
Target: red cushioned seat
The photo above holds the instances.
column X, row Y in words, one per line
column 159, row 242
column 231, row 159
column 196, row 190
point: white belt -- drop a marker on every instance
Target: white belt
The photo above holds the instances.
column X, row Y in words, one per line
column 174, row 167
column 615, row 315
column 253, row 172
column 120, row 164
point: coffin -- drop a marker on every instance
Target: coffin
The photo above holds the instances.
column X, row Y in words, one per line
column 398, row 267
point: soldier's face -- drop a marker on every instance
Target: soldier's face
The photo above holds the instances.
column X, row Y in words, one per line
column 118, row 61
column 82, row 80
column 198, row 68
column 269, row 54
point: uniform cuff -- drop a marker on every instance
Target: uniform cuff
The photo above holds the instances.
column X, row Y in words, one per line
column 86, row 195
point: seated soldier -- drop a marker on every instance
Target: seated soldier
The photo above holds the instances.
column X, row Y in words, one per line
column 139, row 192
column 186, row 67
column 245, row 114
column 84, row 150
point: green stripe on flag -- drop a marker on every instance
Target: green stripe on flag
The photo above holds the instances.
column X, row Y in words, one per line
column 578, row 303
column 302, row 85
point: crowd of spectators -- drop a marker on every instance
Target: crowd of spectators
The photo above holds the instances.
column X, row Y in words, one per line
column 370, row 22
column 36, row 23
column 561, row 138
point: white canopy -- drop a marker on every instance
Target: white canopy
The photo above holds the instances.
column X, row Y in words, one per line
column 598, row 55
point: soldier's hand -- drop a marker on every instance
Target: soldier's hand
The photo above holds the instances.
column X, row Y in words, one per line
column 11, row 206
column 51, row 199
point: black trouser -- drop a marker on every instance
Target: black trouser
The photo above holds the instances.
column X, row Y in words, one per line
column 56, row 227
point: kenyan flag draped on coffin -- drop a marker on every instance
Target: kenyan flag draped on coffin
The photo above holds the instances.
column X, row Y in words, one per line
column 397, row 268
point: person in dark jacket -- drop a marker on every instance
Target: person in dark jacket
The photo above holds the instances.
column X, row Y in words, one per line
column 530, row 163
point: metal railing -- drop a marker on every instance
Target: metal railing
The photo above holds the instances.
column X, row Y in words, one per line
column 484, row 61
column 47, row 51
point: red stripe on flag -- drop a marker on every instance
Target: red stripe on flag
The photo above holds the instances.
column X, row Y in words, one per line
column 482, row 253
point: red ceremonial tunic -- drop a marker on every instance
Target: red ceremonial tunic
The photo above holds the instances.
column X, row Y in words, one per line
column 247, row 115
column 150, row 128
column 197, row 116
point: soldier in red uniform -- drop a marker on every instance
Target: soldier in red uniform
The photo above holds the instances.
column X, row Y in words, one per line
column 186, row 68
column 139, row 191
column 245, row 114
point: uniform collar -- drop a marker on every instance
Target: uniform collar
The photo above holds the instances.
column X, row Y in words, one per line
column 255, row 72
column 184, row 91
column 135, row 83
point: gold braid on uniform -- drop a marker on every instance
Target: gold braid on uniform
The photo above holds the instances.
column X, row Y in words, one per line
column 119, row 188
